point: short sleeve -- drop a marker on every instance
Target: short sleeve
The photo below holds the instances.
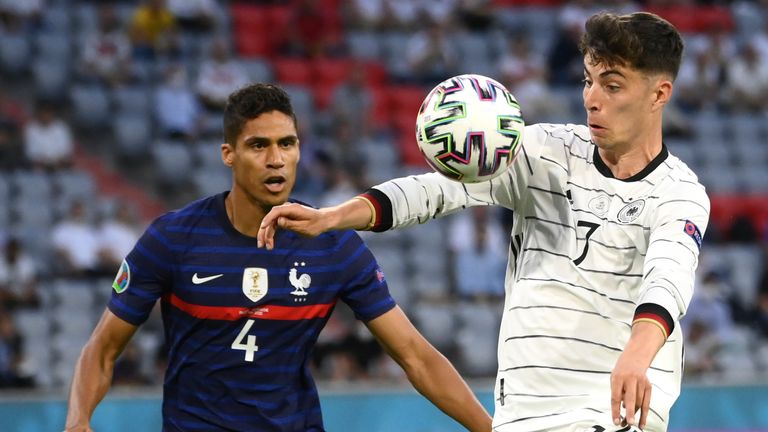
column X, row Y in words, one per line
column 364, row 285
column 143, row 277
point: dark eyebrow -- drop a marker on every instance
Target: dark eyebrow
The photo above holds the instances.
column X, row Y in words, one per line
column 607, row 73
column 265, row 140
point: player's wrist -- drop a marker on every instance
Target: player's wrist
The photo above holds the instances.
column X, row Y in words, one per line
column 331, row 219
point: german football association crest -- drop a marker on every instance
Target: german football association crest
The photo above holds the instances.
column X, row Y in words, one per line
column 631, row 211
column 255, row 283
column 123, row 278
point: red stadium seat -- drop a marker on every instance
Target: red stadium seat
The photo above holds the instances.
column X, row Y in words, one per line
column 251, row 44
column 404, row 122
column 726, row 209
column 409, row 151
column 332, row 71
column 322, row 93
column 693, row 19
column 255, row 28
column 250, row 24
column 375, row 74
column 248, row 15
column 406, row 98
column 380, row 113
column 279, row 19
column 293, row 71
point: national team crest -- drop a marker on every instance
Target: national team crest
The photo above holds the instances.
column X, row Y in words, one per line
column 123, row 278
column 255, row 283
column 631, row 211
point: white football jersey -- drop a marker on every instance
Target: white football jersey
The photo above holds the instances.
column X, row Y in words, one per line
column 586, row 250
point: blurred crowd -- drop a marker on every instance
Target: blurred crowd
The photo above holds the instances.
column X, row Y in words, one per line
column 137, row 89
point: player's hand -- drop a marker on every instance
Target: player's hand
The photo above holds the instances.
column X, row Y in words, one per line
column 295, row 217
column 631, row 388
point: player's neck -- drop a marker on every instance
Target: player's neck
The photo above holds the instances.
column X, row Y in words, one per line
column 625, row 162
column 243, row 214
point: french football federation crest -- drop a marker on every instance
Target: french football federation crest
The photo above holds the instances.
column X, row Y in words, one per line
column 255, row 283
column 123, row 278
column 299, row 283
column 631, row 211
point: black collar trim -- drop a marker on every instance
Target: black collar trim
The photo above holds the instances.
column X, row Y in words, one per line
column 606, row 172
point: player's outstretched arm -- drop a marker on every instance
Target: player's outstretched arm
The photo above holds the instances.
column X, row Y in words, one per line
column 353, row 214
column 429, row 371
column 93, row 372
column 629, row 384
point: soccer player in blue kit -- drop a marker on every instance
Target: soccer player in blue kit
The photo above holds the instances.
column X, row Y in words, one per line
column 241, row 321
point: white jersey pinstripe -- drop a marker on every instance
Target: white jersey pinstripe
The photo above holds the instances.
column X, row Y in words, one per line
column 586, row 249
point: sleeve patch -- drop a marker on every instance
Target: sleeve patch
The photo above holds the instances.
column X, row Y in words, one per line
column 693, row 232
column 123, row 278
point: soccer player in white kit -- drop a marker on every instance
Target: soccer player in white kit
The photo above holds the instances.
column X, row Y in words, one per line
column 605, row 242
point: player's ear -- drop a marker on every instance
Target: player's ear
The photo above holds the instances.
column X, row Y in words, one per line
column 662, row 93
column 227, row 154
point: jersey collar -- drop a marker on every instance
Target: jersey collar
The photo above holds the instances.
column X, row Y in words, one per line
column 606, row 172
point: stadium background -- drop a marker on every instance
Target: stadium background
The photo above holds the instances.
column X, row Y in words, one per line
column 110, row 115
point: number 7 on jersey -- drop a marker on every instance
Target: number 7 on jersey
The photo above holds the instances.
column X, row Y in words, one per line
column 592, row 227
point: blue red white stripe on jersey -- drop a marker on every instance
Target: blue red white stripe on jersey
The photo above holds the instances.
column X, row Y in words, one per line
column 267, row 312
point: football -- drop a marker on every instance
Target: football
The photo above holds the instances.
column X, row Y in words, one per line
column 469, row 128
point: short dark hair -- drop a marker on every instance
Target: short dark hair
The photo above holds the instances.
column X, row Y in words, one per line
column 250, row 102
column 641, row 40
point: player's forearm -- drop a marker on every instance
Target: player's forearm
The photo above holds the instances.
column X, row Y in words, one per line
column 90, row 383
column 356, row 214
column 646, row 340
column 438, row 381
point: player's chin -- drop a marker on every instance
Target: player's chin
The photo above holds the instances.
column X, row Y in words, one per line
column 601, row 141
column 273, row 199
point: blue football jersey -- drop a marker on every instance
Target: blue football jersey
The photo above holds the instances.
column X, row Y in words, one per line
column 240, row 321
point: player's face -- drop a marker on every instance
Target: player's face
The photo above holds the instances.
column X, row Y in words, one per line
column 621, row 103
column 264, row 159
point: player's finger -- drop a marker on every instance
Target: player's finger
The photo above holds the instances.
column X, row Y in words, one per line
column 646, row 406
column 269, row 226
column 616, row 394
column 266, row 229
column 630, row 396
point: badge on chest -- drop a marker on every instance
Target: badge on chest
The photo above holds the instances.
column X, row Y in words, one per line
column 255, row 283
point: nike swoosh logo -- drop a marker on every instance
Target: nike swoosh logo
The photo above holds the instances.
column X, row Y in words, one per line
column 198, row 280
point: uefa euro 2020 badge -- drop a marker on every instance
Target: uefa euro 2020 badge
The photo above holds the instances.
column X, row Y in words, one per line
column 123, row 278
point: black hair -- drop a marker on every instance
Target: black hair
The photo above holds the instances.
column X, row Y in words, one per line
column 250, row 102
column 641, row 41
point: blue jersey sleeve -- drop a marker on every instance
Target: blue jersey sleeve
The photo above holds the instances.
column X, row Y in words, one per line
column 143, row 277
column 365, row 288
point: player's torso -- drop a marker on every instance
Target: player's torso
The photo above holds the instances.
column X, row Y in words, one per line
column 241, row 322
column 590, row 230
column 578, row 247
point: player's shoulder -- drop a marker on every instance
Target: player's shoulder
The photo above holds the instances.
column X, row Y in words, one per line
column 554, row 137
column 554, row 133
column 204, row 209
column 682, row 184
